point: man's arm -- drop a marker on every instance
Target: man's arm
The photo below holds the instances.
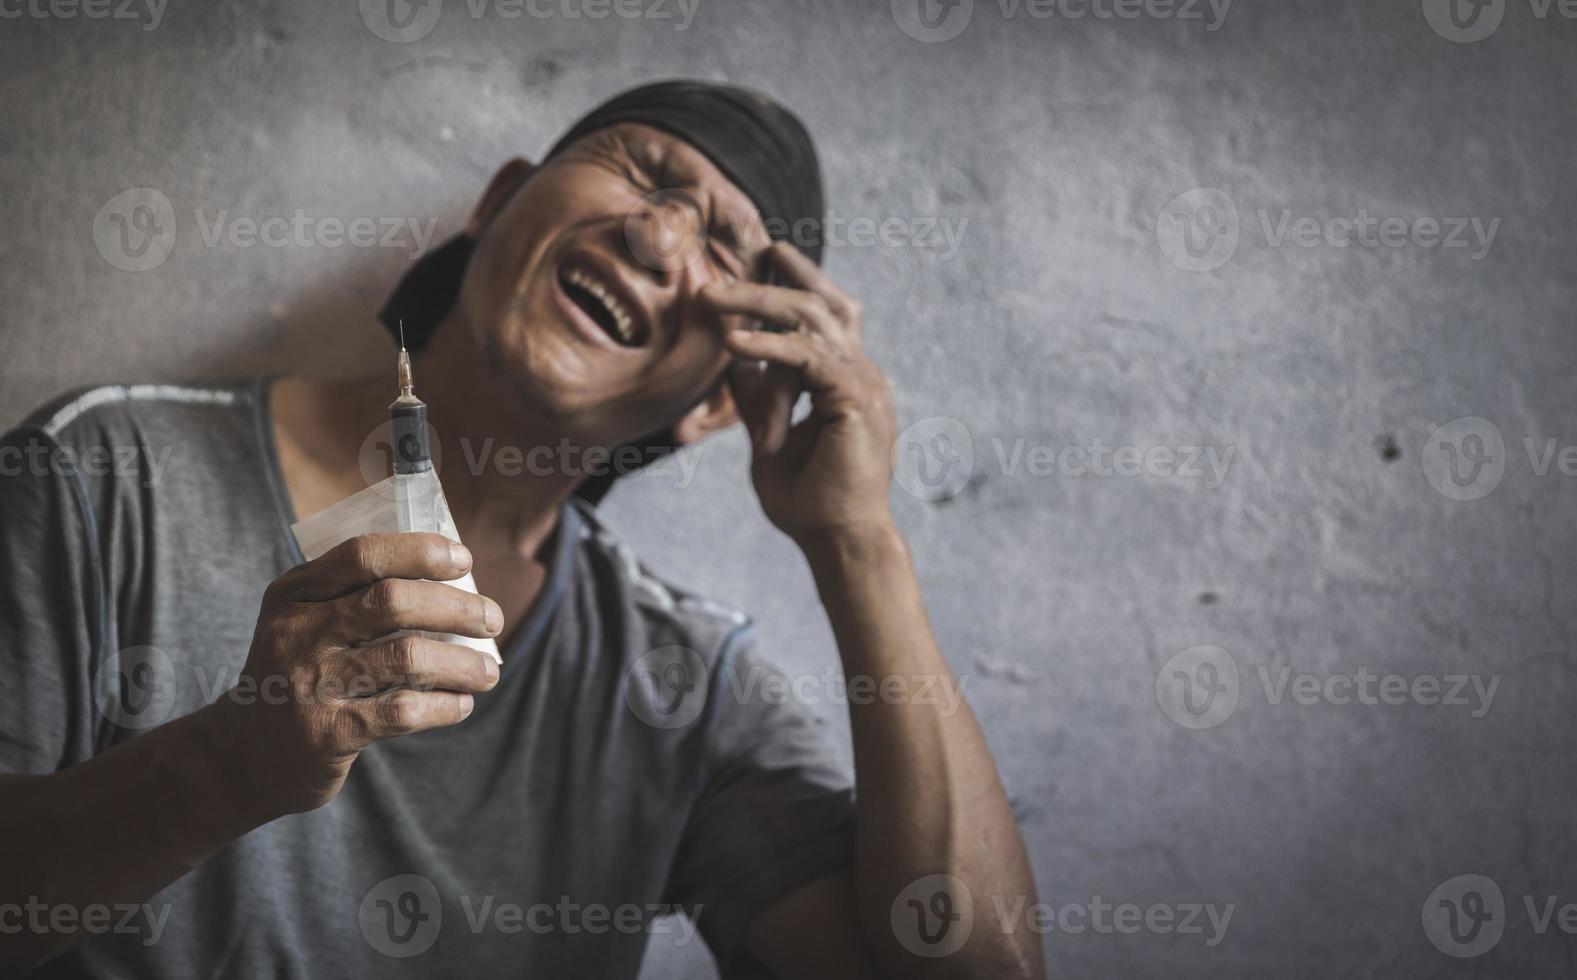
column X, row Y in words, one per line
column 120, row 826
column 117, row 828
column 937, row 851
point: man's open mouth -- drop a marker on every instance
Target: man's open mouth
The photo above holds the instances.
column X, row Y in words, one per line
column 602, row 304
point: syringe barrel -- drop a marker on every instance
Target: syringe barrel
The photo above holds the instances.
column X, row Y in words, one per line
column 408, row 432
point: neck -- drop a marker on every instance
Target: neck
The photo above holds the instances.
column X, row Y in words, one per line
column 485, row 438
column 499, row 502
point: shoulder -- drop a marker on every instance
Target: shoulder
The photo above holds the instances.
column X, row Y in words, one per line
column 660, row 613
column 84, row 416
column 106, row 450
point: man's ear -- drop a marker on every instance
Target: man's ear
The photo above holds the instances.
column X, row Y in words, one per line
column 499, row 190
column 716, row 411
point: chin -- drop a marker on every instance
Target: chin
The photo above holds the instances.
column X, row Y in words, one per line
column 550, row 377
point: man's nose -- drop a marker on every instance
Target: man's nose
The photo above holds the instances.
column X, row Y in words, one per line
column 665, row 234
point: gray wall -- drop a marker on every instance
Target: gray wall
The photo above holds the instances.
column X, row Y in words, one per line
column 1071, row 314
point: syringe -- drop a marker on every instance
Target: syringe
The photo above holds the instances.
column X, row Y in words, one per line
column 412, row 457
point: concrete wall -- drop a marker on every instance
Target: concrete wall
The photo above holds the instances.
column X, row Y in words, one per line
column 1082, row 305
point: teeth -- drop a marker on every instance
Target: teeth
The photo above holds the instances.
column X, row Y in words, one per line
column 621, row 317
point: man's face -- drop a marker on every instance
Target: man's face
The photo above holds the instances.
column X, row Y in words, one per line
column 583, row 289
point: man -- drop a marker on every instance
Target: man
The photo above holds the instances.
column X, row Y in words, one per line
column 284, row 791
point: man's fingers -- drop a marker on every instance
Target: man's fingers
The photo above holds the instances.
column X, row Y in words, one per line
column 800, row 352
column 791, row 309
column 799, row 270
column 421, row 663
column 765, row 394
column 400, row 712
column 394, row 604
column 355, row 563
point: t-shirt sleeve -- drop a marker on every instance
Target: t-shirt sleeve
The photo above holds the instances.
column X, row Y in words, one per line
column 776, row 813
column 50, row 594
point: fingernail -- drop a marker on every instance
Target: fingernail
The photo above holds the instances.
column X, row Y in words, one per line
column 460, row 555
column 467, row 705
column 489, row 667
column 495, row 617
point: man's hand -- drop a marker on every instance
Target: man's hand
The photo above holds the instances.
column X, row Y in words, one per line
column 320, row 685
column 929, row 800
column 829, row 473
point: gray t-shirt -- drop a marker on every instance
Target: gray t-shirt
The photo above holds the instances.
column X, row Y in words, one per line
column 627, row 763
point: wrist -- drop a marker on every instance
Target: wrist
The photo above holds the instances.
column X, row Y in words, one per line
column 222, row 755
column 836, row 549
